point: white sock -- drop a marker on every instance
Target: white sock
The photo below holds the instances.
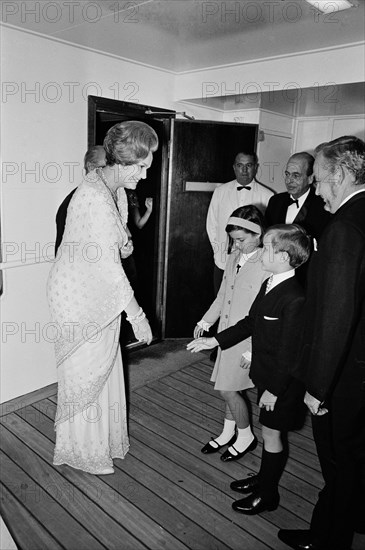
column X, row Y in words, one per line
column 244, row 439
column 227, row 433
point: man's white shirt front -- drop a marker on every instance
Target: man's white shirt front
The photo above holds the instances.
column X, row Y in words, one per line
column 293, row 209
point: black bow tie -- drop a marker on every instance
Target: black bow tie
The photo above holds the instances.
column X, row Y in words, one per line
column 244, row 187
column 293, row 201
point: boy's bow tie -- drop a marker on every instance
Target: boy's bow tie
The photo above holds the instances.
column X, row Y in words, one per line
column 243, row 187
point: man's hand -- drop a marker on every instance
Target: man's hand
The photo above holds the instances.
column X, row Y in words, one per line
column 314, row 405
column 202, row 343
column 267, row 401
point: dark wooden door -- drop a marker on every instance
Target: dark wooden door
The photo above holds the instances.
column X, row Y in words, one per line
column 201, row 153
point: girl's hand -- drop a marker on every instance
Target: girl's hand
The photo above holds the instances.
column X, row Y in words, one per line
column 267, row 401
column 201, row 343
column 149, row 203
column 198, row 331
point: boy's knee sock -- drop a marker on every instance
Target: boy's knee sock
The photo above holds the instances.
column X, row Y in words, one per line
column 227, row 433
column 272, row 466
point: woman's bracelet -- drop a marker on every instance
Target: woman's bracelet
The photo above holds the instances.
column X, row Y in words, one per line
column 139, row 316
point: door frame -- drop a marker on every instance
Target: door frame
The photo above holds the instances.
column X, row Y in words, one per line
column 97, row 104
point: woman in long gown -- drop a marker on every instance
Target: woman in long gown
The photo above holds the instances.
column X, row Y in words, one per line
column 87, row 291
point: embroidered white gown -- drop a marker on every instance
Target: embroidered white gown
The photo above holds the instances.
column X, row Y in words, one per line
column 87, row 291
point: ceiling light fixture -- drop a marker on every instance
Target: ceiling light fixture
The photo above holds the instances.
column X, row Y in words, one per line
column 325, row 6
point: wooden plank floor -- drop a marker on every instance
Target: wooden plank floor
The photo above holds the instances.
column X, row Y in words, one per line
column 164, row 494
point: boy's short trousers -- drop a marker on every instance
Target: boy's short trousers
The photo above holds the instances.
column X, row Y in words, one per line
column 289, row 410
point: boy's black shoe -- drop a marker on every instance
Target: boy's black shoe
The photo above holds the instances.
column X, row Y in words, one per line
column 247, row 485
column 299, row 539
column 255, row 504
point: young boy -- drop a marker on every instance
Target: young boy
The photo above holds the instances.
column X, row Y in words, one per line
column 274, row 322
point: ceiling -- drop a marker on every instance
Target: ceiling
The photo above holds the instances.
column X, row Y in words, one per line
column 185, row 35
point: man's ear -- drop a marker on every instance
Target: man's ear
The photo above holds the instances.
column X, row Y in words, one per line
column 284, row 257
column 311, row 179
column 348, row 176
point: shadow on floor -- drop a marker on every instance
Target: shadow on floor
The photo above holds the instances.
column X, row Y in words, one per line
column 150, row 363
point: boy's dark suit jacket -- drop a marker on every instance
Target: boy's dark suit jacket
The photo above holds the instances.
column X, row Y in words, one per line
column 312, row 216
column 275, row 323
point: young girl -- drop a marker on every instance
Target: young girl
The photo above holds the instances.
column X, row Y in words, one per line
column 242, row 280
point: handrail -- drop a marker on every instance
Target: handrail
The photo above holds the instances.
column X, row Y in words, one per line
column 25, row 263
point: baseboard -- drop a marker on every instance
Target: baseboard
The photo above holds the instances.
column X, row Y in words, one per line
column 28, row 399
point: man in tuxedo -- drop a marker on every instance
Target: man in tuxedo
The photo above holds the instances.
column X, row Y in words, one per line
column 243, row 190
column 333, row 350
column 299, row 204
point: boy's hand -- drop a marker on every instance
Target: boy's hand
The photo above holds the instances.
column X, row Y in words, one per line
column 202, row 343
column 198, row 331
column 268, row 401
column 244, row 363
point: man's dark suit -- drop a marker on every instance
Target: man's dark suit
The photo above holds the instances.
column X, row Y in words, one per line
column 333, row 354
column 61, row 219
column 312, row 216
column 275, row 322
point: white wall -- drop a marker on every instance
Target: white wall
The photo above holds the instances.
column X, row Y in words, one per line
column 318, row 68
column 312, row 131
column 45, row 131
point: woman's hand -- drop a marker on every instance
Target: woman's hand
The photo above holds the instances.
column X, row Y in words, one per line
column 198, row 331
column 149, row 203
column 140, row 325
column 142, row 331
column 127, row 249
column 202, row 343
column 267, row 401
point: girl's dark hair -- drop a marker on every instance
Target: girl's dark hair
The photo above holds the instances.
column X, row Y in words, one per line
column 250, row 213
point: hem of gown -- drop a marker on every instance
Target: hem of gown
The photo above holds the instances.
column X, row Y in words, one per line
column 249, row 387
column 89, row 470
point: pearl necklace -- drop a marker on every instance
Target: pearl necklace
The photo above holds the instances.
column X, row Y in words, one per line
column 101, row 175
column 120, row 202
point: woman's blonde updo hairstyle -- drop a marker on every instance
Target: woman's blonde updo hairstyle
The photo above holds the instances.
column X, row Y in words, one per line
column 129, row 142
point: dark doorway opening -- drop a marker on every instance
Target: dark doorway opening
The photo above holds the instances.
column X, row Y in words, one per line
column 144, row 268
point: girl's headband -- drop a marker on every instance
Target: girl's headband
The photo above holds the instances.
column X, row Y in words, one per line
column 245, row 224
